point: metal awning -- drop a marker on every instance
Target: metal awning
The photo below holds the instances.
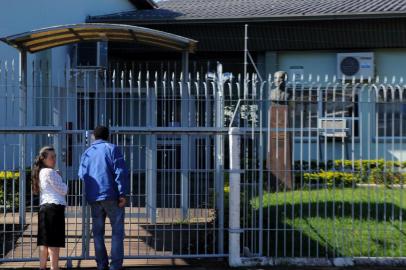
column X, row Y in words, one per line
column 47, row 38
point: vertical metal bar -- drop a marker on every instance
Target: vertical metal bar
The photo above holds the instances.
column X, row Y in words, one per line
column 151, row 154
column 173, row 156
column 377, row 119
column 395, row 103
column 139, row 147
column 13, row 206
column 357, row 103
column 402, row 145
column 5, row 96
column 164, row 158
column 22, row 137
column 155, row 89
column 219, row 179
column 4, row 196
column 207, row 155
column 245, row 60
column 303, row 104
column 261, row 169
column 333, row 156
column 385, row 119
column 185, row 143
column 85, row 219
column 68, row 155
column 369, row 132
column 353, row 101
column 132, row 123
column 123, row 111
column 318, row 113
column 113, row 100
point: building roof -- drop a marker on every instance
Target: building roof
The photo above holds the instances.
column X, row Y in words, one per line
column 144, row 4
column 241, row 10
column 46, row 38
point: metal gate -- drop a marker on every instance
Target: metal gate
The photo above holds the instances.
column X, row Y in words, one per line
column 216, row 168
column 168, row 131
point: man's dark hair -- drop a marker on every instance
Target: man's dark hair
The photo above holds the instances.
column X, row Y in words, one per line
column 101, row 133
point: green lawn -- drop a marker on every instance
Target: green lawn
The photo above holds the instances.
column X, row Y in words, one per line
column 334, row 222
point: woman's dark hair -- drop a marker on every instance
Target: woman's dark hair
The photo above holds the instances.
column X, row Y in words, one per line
column 38, row 165
column 101, row 132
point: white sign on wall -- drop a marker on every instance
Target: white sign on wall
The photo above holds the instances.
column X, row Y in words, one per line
column 296, row 73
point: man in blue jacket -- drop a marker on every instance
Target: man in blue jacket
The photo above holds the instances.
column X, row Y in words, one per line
column 103, row 170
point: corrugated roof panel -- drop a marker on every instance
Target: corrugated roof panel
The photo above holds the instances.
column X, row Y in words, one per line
column 227, row 9
column 47, row 38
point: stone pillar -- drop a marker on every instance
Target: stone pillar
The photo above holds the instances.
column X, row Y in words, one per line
column 279, row 154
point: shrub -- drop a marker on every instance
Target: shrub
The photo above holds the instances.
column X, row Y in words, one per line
column 346, row 172
column 331, row 178
column 9, row 197
column 7, row 175
column 366, row 165
column 348, row 165
column 388, row 177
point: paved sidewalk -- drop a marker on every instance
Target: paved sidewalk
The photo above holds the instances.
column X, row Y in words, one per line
column 215, row 264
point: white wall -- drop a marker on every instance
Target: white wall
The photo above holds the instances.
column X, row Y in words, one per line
column 314, row 63
column 389, row 63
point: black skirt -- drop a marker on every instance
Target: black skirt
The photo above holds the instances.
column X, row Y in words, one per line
column 51, row 225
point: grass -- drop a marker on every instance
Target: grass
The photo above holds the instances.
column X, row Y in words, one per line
column 333, row 222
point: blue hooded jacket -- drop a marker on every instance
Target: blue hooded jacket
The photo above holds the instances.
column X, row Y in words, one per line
column 102, row 168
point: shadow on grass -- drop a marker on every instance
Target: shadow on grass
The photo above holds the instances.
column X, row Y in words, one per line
column 333, row 228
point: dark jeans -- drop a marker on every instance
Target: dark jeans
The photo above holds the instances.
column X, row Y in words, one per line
column 110, row 209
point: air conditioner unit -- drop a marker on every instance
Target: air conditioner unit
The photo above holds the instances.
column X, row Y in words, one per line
column 355, row 65
column 333, row 127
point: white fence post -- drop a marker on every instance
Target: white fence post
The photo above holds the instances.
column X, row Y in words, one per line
column 219, row 153
column 234, row 258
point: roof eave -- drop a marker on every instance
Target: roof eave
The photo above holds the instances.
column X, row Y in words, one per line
column 310, row 17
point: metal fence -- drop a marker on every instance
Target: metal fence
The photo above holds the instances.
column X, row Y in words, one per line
column 318, row 177
column 217, row 169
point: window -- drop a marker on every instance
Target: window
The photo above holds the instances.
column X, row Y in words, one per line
column 305, row 113
column 391, row 113
column 332, row 104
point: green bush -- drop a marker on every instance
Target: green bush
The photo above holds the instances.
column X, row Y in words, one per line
column 349, row 165
column 8, row 175
column 331, row 178
column 347, row 172
column 312, row 165
column 366, row 165
column 7, row 196
column 388, row 177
